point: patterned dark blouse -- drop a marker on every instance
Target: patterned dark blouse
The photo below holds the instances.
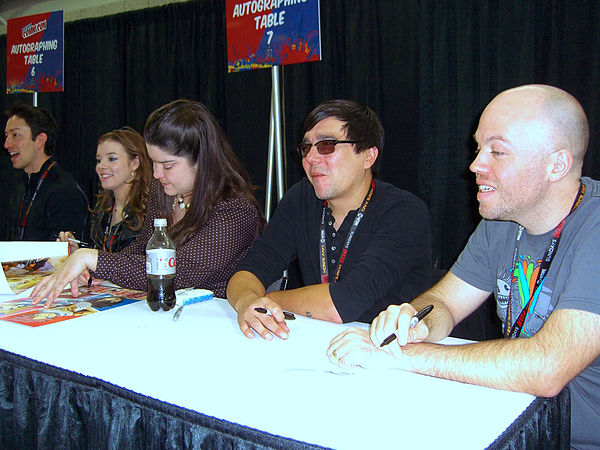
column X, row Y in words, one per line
column 207, row 260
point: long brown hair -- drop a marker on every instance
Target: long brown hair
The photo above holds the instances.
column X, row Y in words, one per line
column 134, row 145
column 186, row 128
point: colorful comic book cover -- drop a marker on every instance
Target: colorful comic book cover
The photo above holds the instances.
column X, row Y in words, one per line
column 21, row 275
column 91, row 300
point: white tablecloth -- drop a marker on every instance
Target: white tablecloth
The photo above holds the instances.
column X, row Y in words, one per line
column 202, row 362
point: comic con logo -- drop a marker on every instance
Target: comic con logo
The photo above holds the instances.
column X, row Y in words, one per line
column 33, row 28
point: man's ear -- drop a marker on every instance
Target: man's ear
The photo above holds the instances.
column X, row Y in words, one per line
column 41, row 139
column 561, row 163
column 371, row 154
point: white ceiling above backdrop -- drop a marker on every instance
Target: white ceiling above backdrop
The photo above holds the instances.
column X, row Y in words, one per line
column 74, row 9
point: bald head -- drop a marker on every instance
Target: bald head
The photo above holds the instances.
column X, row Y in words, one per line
column 557, row 118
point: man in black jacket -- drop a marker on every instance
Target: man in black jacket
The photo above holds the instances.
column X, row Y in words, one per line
column 48, row 199
column 360, row 243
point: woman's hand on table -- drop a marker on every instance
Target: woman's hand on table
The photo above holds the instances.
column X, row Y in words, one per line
column 75, row 270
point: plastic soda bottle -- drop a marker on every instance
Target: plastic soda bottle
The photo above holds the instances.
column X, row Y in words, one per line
column 160, row 268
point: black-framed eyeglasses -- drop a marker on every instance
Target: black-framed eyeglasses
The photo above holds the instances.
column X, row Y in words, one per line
column 324, row 147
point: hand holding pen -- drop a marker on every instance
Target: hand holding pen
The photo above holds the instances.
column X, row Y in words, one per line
column 286, row 314
column 264, row 320
column 74, row 244
column 80, row 243
column 413, row 323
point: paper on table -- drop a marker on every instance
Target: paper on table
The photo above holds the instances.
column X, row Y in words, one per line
column 23, row 250
column 28, row 250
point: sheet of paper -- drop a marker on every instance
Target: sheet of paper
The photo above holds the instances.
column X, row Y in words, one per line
column 24, row 250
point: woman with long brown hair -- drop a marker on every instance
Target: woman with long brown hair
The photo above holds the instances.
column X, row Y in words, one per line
column 202, row 190
column 125, row 173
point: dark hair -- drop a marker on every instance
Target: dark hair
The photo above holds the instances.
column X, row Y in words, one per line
column 361, row 124
column 39, row 121
column 134, row 145
column 185, row 128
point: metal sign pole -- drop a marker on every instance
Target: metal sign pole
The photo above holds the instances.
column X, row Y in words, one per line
column 276, row 147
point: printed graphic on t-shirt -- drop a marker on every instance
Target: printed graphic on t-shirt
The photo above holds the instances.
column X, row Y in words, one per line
column 521, row 284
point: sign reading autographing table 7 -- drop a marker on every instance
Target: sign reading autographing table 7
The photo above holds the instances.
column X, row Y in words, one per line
column 266, row 33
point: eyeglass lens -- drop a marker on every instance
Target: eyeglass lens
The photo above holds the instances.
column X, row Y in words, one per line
column 323, row 147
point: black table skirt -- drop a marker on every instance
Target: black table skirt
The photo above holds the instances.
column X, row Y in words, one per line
column 42, row 406
column 545, row 424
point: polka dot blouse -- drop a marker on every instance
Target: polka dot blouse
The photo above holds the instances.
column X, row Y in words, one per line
column 207, row 260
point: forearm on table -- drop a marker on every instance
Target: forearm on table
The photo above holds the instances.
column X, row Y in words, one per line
column 312, row 301
column 242, row 287
column 540, row 365
column 515, row 365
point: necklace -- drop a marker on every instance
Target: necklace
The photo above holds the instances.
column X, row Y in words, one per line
column 178, row 201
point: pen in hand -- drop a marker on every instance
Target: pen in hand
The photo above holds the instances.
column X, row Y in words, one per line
column 80, row 243
column 413, row 323
column 288, row 315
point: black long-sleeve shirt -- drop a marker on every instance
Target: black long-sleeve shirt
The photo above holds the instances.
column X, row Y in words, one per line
column 59, row 205
column 388, row 261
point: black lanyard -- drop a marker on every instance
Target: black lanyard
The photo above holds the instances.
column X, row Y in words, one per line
column 107, row 232
column 323, row 243
column 23, row 219
column 515, row 331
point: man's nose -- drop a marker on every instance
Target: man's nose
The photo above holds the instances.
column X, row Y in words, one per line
column 479, row 164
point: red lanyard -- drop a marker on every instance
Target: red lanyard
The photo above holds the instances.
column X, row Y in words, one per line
column 323, row 243
column 515, row 331
column 23, row 223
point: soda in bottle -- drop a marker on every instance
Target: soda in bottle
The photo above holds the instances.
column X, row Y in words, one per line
column 160, row 268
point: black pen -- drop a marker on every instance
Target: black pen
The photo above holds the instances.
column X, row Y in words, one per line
column 288, row 315
column 413, row 323
column 283, row 285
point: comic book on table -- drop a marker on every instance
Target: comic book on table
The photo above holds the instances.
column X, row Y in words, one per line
column 17, row 277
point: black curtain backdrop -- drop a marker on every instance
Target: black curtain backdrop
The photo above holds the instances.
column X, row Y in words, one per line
column 427, row 68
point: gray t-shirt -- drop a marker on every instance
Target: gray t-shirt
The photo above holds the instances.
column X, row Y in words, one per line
column 572, row 282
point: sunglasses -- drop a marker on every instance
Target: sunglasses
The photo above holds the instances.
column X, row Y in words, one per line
column 324, row 147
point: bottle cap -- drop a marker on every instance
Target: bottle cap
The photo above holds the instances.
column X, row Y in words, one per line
column 160, row 222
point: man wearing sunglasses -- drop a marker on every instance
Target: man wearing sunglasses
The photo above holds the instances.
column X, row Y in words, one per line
column 360, row 243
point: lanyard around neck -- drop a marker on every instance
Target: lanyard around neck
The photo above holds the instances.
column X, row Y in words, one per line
column 351, row 232
column 23, row 219
column 551, row 250
column 107, row 232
